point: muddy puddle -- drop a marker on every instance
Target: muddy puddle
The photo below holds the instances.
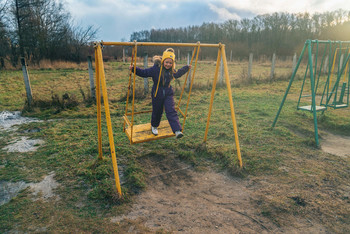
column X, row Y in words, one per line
column 10, row 122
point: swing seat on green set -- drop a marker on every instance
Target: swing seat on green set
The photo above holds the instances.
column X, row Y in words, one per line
column 309, row 108
column 340, row 103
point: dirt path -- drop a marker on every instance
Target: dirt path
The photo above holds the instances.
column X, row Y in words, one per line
column 181, row 199
column 335, row 144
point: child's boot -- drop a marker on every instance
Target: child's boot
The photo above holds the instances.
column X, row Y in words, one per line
column 154, row 131
column 179, row 134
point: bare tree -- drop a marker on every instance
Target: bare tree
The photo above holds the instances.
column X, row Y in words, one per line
column 4, row 39
column 80, row 39
column 43, row 29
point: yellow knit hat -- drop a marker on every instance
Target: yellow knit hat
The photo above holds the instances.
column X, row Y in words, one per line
column 168, row 53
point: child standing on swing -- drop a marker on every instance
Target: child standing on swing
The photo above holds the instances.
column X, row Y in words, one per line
column 162, row 93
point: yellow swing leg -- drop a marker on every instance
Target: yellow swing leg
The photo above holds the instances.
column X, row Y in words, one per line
column 98, row 103
column 101, row 75
column 233, row 117
column 213, row 92
column 221, row 53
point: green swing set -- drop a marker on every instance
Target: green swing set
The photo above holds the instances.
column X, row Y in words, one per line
column 334, row 94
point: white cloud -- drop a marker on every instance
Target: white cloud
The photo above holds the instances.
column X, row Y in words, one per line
column 81, row 8
column 223, row 13
column 295, row 6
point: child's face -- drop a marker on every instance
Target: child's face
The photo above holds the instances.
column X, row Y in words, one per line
column 168, row 63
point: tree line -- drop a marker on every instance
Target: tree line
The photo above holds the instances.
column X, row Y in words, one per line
column 44, row 29
column 281, row 33
column 40, row 29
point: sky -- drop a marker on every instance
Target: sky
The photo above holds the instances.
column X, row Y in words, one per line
column 118, row 19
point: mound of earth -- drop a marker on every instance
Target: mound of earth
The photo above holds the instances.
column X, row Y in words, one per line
column 179, row 198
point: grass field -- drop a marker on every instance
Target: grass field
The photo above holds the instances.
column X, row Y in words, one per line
column 289, row 176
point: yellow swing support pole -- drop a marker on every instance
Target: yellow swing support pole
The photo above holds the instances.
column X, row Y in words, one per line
column 233, row 117
column 129, row 86
column 330, row 79
column 213, row 92
column 133, row 94
column 101, row 75
column 98, row 103
column 221, row 53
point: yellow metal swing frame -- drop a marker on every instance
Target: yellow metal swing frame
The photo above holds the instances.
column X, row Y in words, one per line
column 142, row 133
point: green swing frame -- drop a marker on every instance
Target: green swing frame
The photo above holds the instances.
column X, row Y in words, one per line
column 330, row 93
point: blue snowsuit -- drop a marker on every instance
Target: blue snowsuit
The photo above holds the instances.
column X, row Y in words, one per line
column 165, row 95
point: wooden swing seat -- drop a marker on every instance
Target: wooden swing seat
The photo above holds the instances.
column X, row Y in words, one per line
column 338, row 106
column 309, row 108
column 143, row 133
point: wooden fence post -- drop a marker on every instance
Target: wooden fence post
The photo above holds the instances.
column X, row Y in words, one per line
column 27, row 82
column 341, row 60
column 231, row 56
column 2, row 63
column 189, row 75
column 250, row 66
column 91, row 78
column 145, row 80
column 313, row 63
column 325, row 65
column 294, row 62
column 221, row 81
column 273, row 62
column 123, row 55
